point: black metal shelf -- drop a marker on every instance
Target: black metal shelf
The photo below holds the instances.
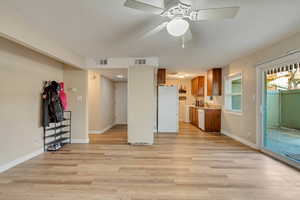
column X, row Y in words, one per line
column 58, row 141
column 57, row 127
column 59, row 133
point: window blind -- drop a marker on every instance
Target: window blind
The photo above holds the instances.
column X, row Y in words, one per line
column 284, row 68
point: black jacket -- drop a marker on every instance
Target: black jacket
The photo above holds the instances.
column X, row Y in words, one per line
column 52, row 106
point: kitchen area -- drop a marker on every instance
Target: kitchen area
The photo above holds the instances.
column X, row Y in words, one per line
column 205, row 114
column 195, row 103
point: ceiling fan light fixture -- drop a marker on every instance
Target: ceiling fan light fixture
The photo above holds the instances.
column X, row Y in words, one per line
column 178, row 27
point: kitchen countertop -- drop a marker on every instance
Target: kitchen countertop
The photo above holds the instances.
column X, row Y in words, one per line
column 205, row 108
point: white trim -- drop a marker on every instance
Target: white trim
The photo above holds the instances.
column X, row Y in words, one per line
column 101, row 131
column 239, row 139
column 259, row 106
column 80, row 141
column 20, row 160
column 140, row 144
column 95, row 132
column 228, row 93
column 288, row 57
column 234, row 74
column 124, row 123
column 234, row 112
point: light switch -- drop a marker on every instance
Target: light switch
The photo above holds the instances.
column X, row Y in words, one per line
column 79, row 98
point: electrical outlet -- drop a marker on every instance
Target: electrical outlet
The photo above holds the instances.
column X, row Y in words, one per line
column 249, row 134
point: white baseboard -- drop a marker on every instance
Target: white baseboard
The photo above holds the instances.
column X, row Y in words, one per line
column 101, row 131
column 122, row 123
column 168, row 130
column 95, row 132
column 241, row 140
column 20, row 160
column 140, row 144
column 80, row 141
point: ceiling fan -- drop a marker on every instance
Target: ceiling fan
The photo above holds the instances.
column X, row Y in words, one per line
column 180, row 15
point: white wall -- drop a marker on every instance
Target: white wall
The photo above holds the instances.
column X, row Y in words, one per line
column 101, row 103
column 244, row 126
column 22, row 73
column 78, row 102
column 121, row 102
column 14, row 27
column 141, row 104
column 107, row 100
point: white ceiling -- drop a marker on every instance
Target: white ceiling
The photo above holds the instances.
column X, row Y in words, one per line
column 104, row 28
column 113, row 74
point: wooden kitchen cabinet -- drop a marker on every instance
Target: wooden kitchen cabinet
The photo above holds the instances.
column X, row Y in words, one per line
column 161, row 76
column 194, row 86
column 198, row 86
column 214, row 82
column 208, row 121
column 212, row 120
column 201, row 85
column 194, row 116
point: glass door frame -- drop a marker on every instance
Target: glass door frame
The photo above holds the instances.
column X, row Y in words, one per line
column 261, row 106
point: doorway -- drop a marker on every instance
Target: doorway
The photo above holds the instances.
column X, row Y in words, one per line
column 107, row 102
column 280, row 111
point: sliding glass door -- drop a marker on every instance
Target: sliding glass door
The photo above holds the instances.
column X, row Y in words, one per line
column 281, row 116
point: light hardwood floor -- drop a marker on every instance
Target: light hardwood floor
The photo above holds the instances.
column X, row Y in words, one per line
column 115, row 135
column 190, row 166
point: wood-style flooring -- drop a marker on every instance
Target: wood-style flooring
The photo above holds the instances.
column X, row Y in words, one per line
column 189, row 166
column 115, row 135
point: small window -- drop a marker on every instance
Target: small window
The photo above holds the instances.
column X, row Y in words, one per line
column 234, row 93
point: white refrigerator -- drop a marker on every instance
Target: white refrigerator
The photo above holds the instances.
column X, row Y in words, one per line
column 168, row 107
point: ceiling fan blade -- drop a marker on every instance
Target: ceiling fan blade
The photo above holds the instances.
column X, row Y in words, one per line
column 170, row 3
column 155, row 30
column 215, row 13
column 137, row 5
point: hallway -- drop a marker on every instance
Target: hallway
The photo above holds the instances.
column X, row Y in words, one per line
column 116, row 135
column 192, row 166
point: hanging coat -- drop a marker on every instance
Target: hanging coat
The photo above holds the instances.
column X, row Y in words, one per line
column 52, row 106
column 63, row 96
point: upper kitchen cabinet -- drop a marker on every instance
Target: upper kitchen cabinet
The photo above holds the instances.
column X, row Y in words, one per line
column 214, row 82
column 198, row 86
column 161, row 76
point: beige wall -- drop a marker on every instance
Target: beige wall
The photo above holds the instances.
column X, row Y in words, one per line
column 14, row 27
column 22, row 73
column 244, row 126
column 141, row 104
column 76, row 84
column 121, row 102
column 94, row 101
column 101, row 102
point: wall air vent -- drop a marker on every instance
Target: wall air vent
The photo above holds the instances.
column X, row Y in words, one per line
column 103, row 62
column 140, row 62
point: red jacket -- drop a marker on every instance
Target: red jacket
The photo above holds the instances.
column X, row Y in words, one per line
column 63, row 96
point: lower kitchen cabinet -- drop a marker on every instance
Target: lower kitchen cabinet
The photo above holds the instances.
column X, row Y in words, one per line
column 194, row 116
column 209, row 120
